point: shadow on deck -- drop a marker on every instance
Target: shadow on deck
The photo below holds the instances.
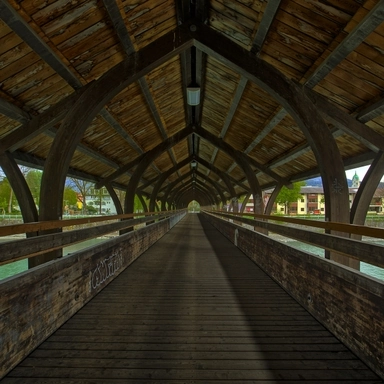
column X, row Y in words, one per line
column 192, row 309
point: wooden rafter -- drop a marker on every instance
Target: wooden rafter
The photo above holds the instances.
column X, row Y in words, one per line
column 265, row 24
column 160, row 148
column 125, row 40
column 39, row 124
column 13, row 112
column 369, row 23
column 27, row 34
column 360, row 32
column 371, row 111
column 347, row 123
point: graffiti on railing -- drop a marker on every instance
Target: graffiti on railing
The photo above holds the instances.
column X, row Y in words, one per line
column 106, row 268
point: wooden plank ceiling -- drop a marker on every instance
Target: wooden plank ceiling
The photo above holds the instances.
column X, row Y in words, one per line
column 51, row 49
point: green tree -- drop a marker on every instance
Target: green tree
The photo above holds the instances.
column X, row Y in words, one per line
column 137, row 206
column 289, row 195
column 84, row 189
column 33, row 179
column 69, row 199
column 7, row 197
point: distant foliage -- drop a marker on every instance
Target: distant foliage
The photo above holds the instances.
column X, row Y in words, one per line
column 289, row 195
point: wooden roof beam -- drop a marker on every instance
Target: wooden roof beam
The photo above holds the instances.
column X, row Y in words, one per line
column 271, row 124
column 119, row 26
column 371, row 111
column 19, row 26
column 13, row 112
column 125, row 40
column 370, row 138
column 292, row 97
column 44, row 121
column 372, row 20
column 265, row 25
column 148, row 159
column 106, row 115
column 357, row 161
column 97, row 95
column 202, row 11
column 45, row 124
column 199, row 10
column 215, row 184
column 221, row 144
column 178, row 191
column 227, row 179
column 39, row 123
column 161, row 179
column 197, row 182
column 160, row 148
column 183, row 13
column 31, row 161
column 189, row 193
column 171, row 186
column 262, row 32
column 232, row 110
column 295, row 152
column 87, row 151
column 14, row 21
column 369, row 23
column 200, row 68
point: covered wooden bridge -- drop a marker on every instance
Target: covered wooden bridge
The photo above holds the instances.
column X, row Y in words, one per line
column 180, row 100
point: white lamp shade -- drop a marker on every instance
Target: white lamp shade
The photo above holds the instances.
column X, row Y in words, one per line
column 193, row 96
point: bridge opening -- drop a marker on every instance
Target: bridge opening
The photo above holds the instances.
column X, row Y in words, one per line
column 194, row 207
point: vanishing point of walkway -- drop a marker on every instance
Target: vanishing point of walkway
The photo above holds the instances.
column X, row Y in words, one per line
column 192, row 309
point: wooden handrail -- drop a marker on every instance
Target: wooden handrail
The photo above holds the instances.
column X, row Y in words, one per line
column 38, row 226
column 17, row 250
column 362, row 251
column 326, row 225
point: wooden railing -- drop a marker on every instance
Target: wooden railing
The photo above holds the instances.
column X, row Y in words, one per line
column 363, row 251
column 347, row 302
column 36, row 302
column 25, row 248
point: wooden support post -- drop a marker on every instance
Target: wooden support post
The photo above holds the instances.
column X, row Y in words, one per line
column 89, row 104
column 242, row 161
column 163, row 177
column 115, row 199
column 296, row 102
column 147, row 159
column 272, row 199
column 245, row 201
column 23, row 195
column 366, row 190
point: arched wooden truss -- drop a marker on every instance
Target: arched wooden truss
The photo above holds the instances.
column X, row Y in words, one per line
column 98, row 90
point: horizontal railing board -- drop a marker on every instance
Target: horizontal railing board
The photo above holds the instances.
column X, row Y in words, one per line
column 363, row 251
column 23, row 248
column 355, row 229
column 15, row 229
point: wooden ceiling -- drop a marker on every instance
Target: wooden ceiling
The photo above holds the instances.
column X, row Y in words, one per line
column 51, row 50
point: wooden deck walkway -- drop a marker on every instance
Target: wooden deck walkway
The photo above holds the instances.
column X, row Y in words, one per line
column 192, row 309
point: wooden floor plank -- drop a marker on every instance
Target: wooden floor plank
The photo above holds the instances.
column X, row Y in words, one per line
column 192, row 309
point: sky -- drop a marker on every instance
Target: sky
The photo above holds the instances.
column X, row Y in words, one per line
column 360, row 172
